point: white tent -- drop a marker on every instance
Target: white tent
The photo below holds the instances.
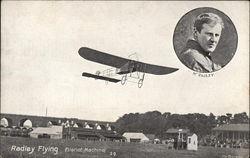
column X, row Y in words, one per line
column 55, row 132
column 135, row 137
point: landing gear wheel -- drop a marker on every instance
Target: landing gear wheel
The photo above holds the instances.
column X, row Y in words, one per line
column 140, row 83
column 123, row 81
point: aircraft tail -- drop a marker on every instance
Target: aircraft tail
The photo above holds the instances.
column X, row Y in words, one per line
column 85, row 74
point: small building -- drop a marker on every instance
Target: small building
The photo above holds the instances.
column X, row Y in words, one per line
column 232, row 132
column 92, row 134
column 52, row 132
column 136, row 137
column 111, row 136
column 80, row 133
column 192, row 142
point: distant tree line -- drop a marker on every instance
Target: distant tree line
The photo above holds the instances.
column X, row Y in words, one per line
column 154, row 122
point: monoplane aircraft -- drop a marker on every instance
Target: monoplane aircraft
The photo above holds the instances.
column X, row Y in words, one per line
column 127, row 68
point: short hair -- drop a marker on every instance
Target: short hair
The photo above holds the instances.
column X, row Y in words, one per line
column 207, row 18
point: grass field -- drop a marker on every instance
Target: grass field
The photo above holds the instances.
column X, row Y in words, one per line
column 17, row 147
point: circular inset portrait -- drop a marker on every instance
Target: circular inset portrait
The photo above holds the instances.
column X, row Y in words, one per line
column 205, row 40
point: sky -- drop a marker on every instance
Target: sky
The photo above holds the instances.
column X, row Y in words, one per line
column 41, row 67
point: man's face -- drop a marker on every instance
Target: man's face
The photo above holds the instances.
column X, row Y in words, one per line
column 209, row 36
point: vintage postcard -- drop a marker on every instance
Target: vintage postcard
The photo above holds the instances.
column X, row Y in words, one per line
column 125, row 79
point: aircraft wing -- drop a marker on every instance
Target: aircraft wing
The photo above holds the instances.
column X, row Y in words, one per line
column 156, row 69
column 118, row 62
column 102, row 58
